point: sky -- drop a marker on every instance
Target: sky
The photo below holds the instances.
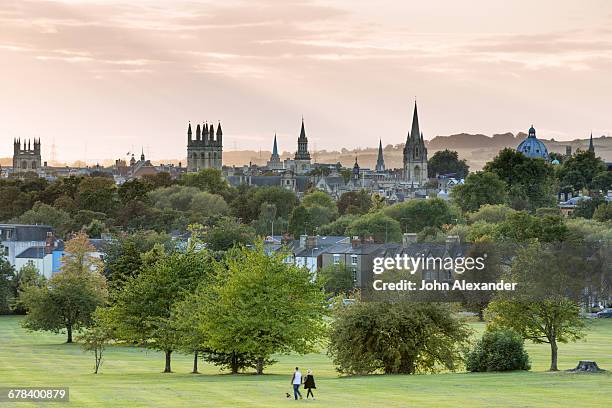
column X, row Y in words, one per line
column 99, row 79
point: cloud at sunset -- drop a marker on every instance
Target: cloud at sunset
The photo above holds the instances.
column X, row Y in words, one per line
column 100, row 78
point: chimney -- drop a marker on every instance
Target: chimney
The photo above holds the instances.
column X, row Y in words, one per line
column 49, row 242
column 311, row 242
column 409, row 238
column 355, row 242
column 303, row 239
column 452, row 240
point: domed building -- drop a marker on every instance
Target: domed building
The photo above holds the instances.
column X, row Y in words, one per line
column 532, row 147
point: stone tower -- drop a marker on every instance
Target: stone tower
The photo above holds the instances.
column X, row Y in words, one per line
column 275, row 161
column 302, row 156
column 415, row 154
column 26, row 158
column 206, row 150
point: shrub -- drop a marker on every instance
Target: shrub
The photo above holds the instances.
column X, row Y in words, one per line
column 498, row 350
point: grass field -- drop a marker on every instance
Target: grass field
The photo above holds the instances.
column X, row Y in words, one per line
column 132, row 378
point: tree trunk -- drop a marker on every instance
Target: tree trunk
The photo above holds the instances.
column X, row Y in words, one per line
column 69, row 330
column 553, row 355
column 195, row 363
column 168, row 368
column 260, row 365
column 234, row 363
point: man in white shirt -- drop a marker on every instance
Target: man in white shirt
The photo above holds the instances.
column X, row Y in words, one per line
column 296, row 381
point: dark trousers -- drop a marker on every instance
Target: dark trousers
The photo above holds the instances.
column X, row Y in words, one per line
column 296, row 391
column 309, row 393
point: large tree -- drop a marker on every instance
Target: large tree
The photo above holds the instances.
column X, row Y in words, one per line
column 396, row 338
column 259, row 306
column 378, row 226
column 355, row 202
column 480, row 188
column 531, row 182
column 70, row 297
column 415, row 215
column 446, row 162
column 582, row 170
column 545, row 307
column 142, row 310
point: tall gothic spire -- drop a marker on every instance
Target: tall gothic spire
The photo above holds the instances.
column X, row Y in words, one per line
column 275, row 147
column 591, row 146
column 302, row 132
column 189, row 132
column 415, row 132
column 380, row 161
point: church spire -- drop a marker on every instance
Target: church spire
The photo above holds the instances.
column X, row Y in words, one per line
column 380, row 161
column 415, row 132
column 189, row 132
column 302, row 131
column 275, row 147
column 591, row 146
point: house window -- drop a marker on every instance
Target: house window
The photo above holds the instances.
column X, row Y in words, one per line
column 354, row 274
column 336, row 259
column 353, row 259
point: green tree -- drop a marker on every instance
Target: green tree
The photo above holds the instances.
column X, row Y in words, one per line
column 7, row 273
column 210, row 180
column 379, row 226
column 259, row 306
column 97, row 194
column 545, row 307
column 531, row 182
column 491, row 213
column 339, row 226
column 27, row 275
column 603, row 212
column 45, row 214
column 415, row 215
column 95, row 340
column 586, row 208
column 142, row 310
column 226, row 233
column 70, row 296
column 580, row 171
column 336, row 279
column 355, row 202
column 396, row 338
column 480, row 188
column 446, row 162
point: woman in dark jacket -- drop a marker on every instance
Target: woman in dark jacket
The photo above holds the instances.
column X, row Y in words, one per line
column 309, row 384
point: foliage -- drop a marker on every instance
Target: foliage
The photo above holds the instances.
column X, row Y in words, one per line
column 97, row 194
column 531, row 182
column 603, row 212
column 493, row 213
column 95, row 340
column 210, row 180
column 70, row 296
column 545, row 307
column 580, row 170
column 586, row 208
column 142, row 310
column 44, row 214
column 480, row 188
column 498, row 350
column 396, row 338
column 415, row 215
column 27, row 275
column 7, row 273
column 226, row 233
column 338, row 227
column 378, row 226
column 446, row 162
column 259, row 305
column 355, row 203
column 336, row 279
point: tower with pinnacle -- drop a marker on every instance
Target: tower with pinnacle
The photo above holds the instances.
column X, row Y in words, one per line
column 301, row 161
column 26, row 157
column 591, row 145
column 275, row 162
column 205, row 151
column 415, row 154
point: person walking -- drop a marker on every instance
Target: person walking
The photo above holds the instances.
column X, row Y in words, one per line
column 296, row 381
column 309, row 384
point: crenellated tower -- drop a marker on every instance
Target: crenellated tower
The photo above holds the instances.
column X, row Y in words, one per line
column 25, row 157
column 206, row 150
column 415, row 154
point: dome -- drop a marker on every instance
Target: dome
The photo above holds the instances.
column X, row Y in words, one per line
column 555, row 161
column 532, row 147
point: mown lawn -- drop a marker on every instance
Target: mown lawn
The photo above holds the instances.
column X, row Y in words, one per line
column 132, row 378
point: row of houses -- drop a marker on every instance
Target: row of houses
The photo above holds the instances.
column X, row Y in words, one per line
column 36, row 245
